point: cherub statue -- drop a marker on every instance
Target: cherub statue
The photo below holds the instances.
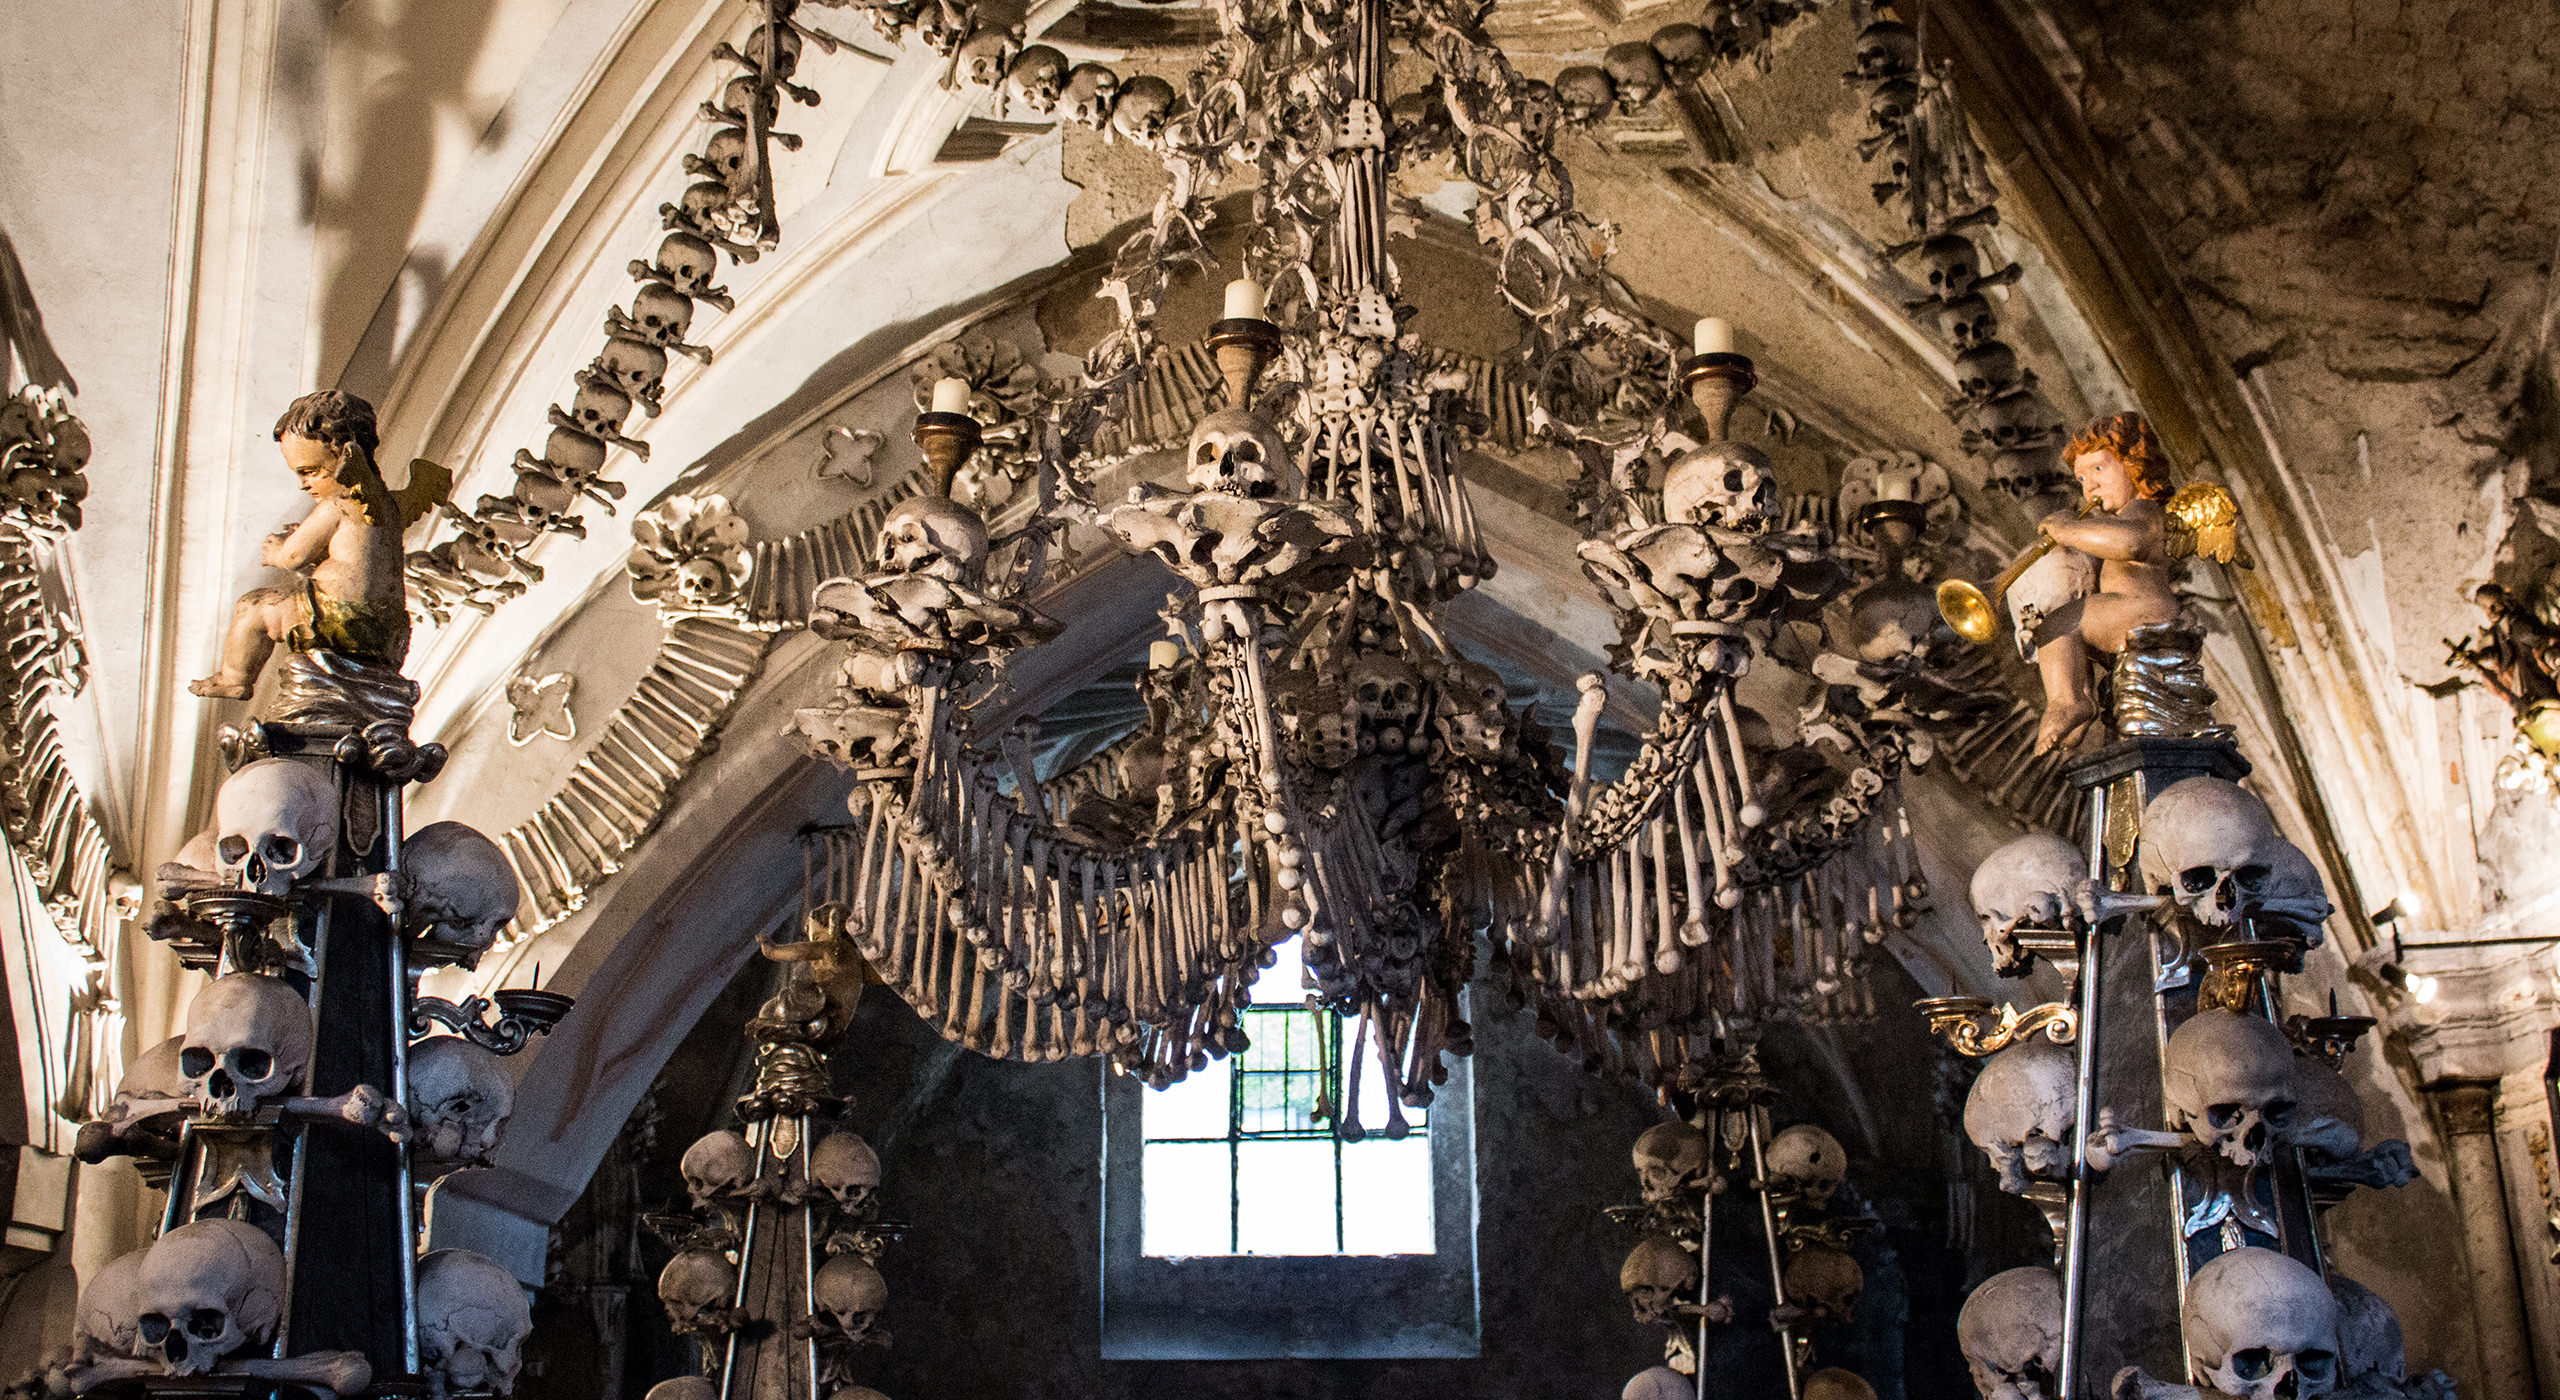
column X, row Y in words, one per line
column 2110, row 575
column 2517, row 650
column 349, row 600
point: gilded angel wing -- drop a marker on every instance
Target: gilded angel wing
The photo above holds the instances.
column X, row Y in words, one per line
column 2205, row 522
column 429, row 484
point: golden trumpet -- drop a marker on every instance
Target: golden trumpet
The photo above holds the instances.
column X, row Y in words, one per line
column 1974, row 611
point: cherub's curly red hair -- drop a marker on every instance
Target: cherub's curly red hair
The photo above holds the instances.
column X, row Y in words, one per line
column 2129, row 436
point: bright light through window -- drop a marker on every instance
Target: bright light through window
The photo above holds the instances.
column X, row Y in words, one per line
column 1243, row 1157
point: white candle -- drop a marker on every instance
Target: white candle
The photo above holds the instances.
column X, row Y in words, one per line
column 1244, row 300
column 1894, row 484
column 1715, row 336
column 951, row 396
column 1161, row 655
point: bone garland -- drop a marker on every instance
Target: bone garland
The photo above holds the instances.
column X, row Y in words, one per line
column 731, row 209
column 1941, row 184
column 49, row 820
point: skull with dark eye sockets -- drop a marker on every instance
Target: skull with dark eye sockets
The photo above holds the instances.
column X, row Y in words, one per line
column 1986, row 371
column 248, row 1040
column 1685, row 53
column 1239, row 453
column 2262, row 1326
column 1586, row 94
column 2230, row 1077
column 1637, row 70
column 1968, row 321
column 1886, row 49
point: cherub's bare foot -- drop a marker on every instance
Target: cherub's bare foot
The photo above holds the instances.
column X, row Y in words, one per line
column 2064, row 722
column 216, row 688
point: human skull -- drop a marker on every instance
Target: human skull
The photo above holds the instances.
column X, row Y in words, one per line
column 1037, row 78
column 1637, row 70
column 1657, row 1275
column 2022, row 472
column 1538, row 112
column 719, row 1167
column 1826, row 1281
column 458, row 1100
column 601, row 408
column 569, row 458
column 459, row 888
column 935, row 537
column 661, row 314
column 1887, row 49
column 2200, row 843
column 1238, row 452
column 2291, row 891
column 2370, row 1343
column 688, row 262
column 1659, row 1383
column 2026, row 883
column 472, row 1318
column 2011, row 1334
column 1987, row 370
column 696, row 1287
column 845, row 1167
column 724, row 158
column 786, row 51
column 1684, row 51
column 986, row 55
column 206, row 1290
column 248, row 1041
column 2262, row 1326
column 1091, row 87
column 685, row 1388
column 2230, row 1077
column 1475, row 709
column 274, row 822
column 849, row 1293
column 1670, row 1157
column 1969, row 321
column 1319, row 717
column 106, row 1321
column 639, row 369
column 1586, row 94
column 1835, row 1383
column 1389, row 693
column 1890, row 101
column 1953, row 265
column 2012, row 421
column 1143, row 106
column 2021, row 1111
column 1725, row 484
column 1808, row 1161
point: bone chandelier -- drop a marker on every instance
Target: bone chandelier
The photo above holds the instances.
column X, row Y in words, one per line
column 1317, row 756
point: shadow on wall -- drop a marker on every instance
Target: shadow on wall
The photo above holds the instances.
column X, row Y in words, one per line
column 996, row 1292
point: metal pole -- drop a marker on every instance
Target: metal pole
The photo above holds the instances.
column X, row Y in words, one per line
column 1777, row 1267
column 809, row 1261
column 757, row 1135
column 1706, row 1242
column 394, row 813
column 2076, row 1258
